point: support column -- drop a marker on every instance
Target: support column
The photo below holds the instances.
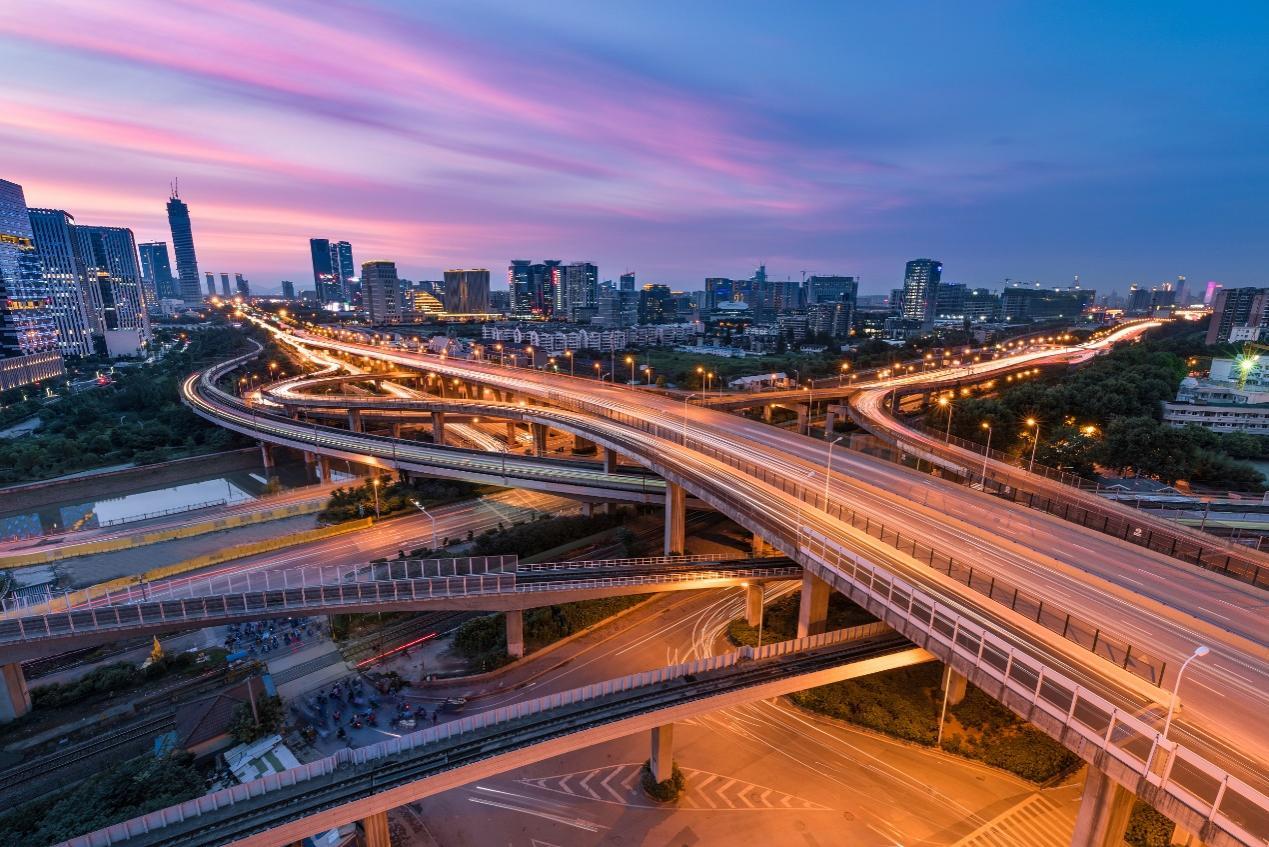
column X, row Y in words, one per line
column 511, row 434
column 1182, row 837
column 753, row 605
column 675, row 519
column 812, row 606
column 539, row 438
column 396, row 429
column 955, row 684
column 15, row 699
column 767, row 411
column 373, row 831
column 323, row 468
column 354, row 420
column 438, row 427
column 515, row 633
column 1105, row 807
column 588, row 509
column 661, row 762
column 760, row 549
column 804, row 419
column 583, row 445
column 266, row 454
column 610, row 461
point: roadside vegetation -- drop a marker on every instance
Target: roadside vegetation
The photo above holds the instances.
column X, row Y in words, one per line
column 122, row 791
column 137, row 419
column 117, row 678
column 1108, row 414
column 358, row 501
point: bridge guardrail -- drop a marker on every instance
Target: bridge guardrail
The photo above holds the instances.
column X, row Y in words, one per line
column 325, row 599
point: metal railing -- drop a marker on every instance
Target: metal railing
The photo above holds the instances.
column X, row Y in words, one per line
column 324, row 599
column 639, row 562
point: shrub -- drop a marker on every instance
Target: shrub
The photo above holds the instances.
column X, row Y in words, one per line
column 668, row 791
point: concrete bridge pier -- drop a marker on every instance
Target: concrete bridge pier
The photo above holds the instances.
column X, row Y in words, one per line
column 323, row 468
column 955, row 684
column 804, row 418
column 511, row 434
column 812, row 605
column 583, row 445
column 759, row 548
column 266, row 454
column 753, row 604
column 1105, row 807
column 373, row 831
column 830, row 418
column 661, row 762
column 395, row 429
column 515, row 633
column 1182, row 837
column 438, row 427
column 354, row 420
column 675, row 519
column 610, row 461
column 539, row 438
column 15, row 699
column 767, row 411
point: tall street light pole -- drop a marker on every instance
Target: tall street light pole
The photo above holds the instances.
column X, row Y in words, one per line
column 374, row 484
column 685, row 399
column 1032, row 422
column 986, row 453
column 419, row 506
column 828, row 469
column 947, row 436
column 1199, row 651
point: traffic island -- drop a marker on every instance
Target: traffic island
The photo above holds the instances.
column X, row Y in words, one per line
column 666, row 791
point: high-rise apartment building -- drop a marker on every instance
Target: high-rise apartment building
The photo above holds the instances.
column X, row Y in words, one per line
column 156, row 270
column 114, row 288
column 342, row 262
column 242, row 286
column 921, row 279
column 381, row 291
column 288, row 290
column 718, row 290
column 626, row 282
column 656, row 304
column 578, row 295
column 225, row 290
column 467, row 291
column 837, row 291
column 333, row 271
column 518, row 285
column 63, row 267
column 183, row 245
column 211, row 283
column 1242, row 312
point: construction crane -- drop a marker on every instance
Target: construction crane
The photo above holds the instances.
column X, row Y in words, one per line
column 1247, row 361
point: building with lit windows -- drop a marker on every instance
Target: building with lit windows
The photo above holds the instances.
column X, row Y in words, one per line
column 921, row 279
column 63, row 267
column 381, row 290
column 156, row 270
column 183, row 245
column 28, row 329
column 467, row 291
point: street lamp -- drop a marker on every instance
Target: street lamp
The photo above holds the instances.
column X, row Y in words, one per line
column 828, row 469
column 841, row 379
column 1199, row 651
column 1035, row 442
column 947, row 404
column 374, row 484
column 569, row 353
column 631, row 362
column 597, row 369
column 419, row 506
column 685, row 399
column 986, row 453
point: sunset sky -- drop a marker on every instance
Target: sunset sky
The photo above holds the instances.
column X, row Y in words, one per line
column 1124, row 142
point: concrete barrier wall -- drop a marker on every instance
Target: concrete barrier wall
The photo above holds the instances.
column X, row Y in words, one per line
column 141, row 539
column 101, row 589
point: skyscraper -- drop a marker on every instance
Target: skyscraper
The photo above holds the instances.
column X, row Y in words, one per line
column 381, row 291
column 578, row 296
column 63, row 267
column 242, row 286
column 332, row 269
column 211, row 284
column 156, row 268
column 225, row 290
column 834, row 289
column 342, row 263
column 114, row 287
column 27, row 324
column 920, row 290
column 518, row 284
column 656, row 304
column 627, row 281
column 467, row 291
column 183, row 245
column 288, row 290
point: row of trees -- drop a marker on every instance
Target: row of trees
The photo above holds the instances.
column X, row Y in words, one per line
column 1108, row 414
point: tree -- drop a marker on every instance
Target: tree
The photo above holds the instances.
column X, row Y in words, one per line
column 247, row 725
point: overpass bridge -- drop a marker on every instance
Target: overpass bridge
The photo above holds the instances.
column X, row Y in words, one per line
column 485, row 584
column 362, row 784
column 866, row 527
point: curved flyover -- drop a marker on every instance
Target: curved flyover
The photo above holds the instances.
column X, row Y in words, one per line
column 883, row 535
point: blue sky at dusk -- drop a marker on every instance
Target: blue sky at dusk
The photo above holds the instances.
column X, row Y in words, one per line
column 1124, row 142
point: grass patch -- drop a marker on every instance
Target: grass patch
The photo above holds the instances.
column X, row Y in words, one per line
column 780, row 620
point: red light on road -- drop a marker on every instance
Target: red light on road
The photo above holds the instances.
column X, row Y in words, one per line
column 427, row 637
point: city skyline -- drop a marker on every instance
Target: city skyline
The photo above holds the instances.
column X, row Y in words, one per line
column 660, row 148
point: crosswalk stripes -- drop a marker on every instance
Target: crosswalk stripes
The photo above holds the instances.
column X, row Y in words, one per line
column 619, row 785
column 1035, row 822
